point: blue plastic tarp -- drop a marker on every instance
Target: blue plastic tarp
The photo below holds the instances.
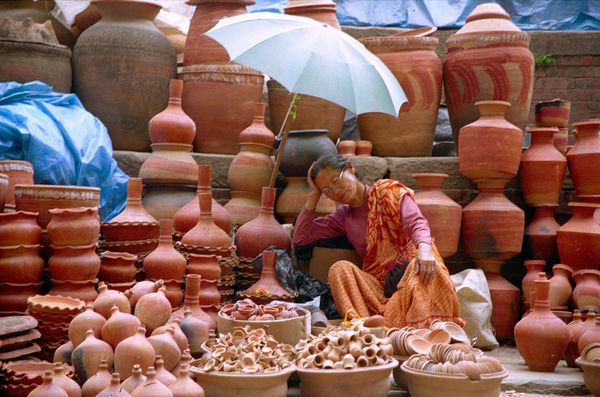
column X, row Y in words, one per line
column 526, row 14
column 66, row 144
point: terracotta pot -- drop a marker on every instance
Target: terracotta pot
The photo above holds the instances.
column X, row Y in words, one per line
column 541, row 337
column 172, row 125
column 303, row 147
column 505, row 305
column 560, row 287
column 443, row 214
column 589, row 336
column 193, row 284
column 263, row 231
column 98, row 382
column 134, row 350
column 13, row 296
column 199, row 48
column 347, row 148
column 134, row 222
column 19, row 228
column 251, row 168
column 243, row 206
column 480, row 155
column 178, row 335
column 60, row 379
column 258, row 132
column 572, row 351
column 184, row 386
column 488, row 59
column 124, row 43
column 165, row 262
column 206, row 233
column 108, row 298
column 561, row 140
column 418, row 69
column 319, row 10
column 292, row 199
column 196, row 332
column 268, row 287
column 553, row 113
column 117, row 267
column 43, row 198
column 136, row 379
column 152, row 387
column 87, row 355
column 153, row 309
column 114, row 390
column 20, row 264
column 73, row 226
column 119, row 327
column 85, row 320
column 83, row 290
column 492, row 226
column 207, row 266
column 122, row 287
column 18, row 172
column 209, row 294
column 176, row 38
column 584, row 158
column 542, row 168
column 363, row 148
column 173, row 291
column 164, row 376
column 164, row 345
column 163, row 201
column 140, row 289
column 540, row 234
column 48, row 388
column 74, row 263
column 169, row 163
column 586, row 294
column 579, row 239
column 534, row 267
column 220, row 99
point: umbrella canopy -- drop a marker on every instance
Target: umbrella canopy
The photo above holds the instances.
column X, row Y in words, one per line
column 312, row 58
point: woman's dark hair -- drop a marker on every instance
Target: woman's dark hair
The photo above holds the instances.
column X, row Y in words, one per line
column 336, row 162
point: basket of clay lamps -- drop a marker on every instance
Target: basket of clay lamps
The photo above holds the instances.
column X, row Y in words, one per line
column 344, row 362
column 246, row 362
column 286, row 323
column 373, row 323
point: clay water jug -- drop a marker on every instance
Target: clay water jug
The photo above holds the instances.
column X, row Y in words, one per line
column 587, row 290
column 164, row 376
column 85, row 320
column 19, row 228
column 184, row 386
column 165, row 262
column 98, row 382
column 560, row 287
column 117, row 267
column 172, row 125
column 164, row 345
column 64, row 382
column 134, row 350
column 584, row 158
column 206, row 266
column 571, row 353
column 48, row 388
column 73, row 226
column 140, row 289
column 153, row 309
column 74, row 262
column 268, row 287
column 178, row 335
column 107, row 298
column 534, row 267
column 579, row 239
column 115, row 389
column 87, row 356
column 152, row 387
column 196, row 332
column 119, row 326
column 136, row 379
column 540, row 234
column 206, row 233
column 193, row 284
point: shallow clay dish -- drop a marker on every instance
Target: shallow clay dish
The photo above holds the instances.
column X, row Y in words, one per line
column 55, row 304
column 14, row 324
column 17, row 341
column 24, row 351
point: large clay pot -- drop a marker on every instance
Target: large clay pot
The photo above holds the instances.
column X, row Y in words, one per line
column 107, row 298
column 319, row 10
column 303, row 147
column 162, row 201
column 443, row 214
column 488, row 59
column 560, row 287
column 579, row 239
column 534, row 267
column 86, row 357
column 117, row 267
column 165, row 262
column 134, row 350
column 21, row 264
column 584, row 158
column 542, row 168
column 13, row 296
column 196, row 332
column 206, row 233
column 19, row 228
column 187, row 216
column 490, row 147
column 541, row 337
column 418, row 69
column 153, row 309
column 164, row 345
column 172, row 125
column 119, row 62
column 505, row 305
column 292, row 200
column 64, row 382
column 98, row 382
column 540, row 234
column 587, row 290
column 88, row 319
column 19, row 172
column 170, row 163
column 74, row 263
column 119, row 327
column 73, row 226
column 152, row 387
column 193, row 284
column 553, row 113
column 220, row 99
column 48, row 388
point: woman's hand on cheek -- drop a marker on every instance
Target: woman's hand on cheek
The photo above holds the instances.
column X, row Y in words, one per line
column 425, row 262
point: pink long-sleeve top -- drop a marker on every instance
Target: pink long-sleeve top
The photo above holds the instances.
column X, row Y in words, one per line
column 352, row 222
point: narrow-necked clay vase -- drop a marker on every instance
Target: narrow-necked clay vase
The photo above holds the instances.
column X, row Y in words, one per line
column 560, row 287
column 64, row 382
column 73, row 226
column 196, row 332
column 164, row 376
column 48, row 388
column 575, row 333
column 74, row 262
column 87, row 356
column 119, row 326
column 587, row 290
column 571, row 352
column 164, row 345
column 153, row 309
column 541, row 337
column 268, row 287
column 534, row 267
column 107, row 298
column 85, row 320
column 117, row 267
column 152, row 387
column 172, row 125
column 165, row 262
column 140, row 289
column 115, row 389
column 136, row 379
column 540, row 234
column 206, row 233
column 584, row 158
column 193, row 284
column 579, row 239
column 19, row 228
column 590, row 336
column 133, row 350
column 63, row 353
column 98, row 382
column 186, row 359
column 184, row 386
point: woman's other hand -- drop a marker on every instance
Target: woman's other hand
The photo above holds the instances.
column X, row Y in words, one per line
column 426, row 262
column 315, row 192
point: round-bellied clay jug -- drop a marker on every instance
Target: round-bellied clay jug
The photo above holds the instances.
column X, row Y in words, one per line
column 153, row 309
column 98, row 382
column 589, row 336
column 442, row 214
column 541, row 337
column 303, row 147
column 115, row 389
column 21, row 264
column 136, row 379
column 86, row 357
column 172, row 125
column 193, row 284
column 184, row 386
column 586, row 294
column 61, row 379
column 85, row 320
column 488, row 59
column 152, row 387
column 560, row 287
column 542, row 168
column 48, row 388
column 74, row 262
column 119, row 62
column 164, row 345
column 169, row 163
column 73, row 226
column 165, row 262
column 292, row 199
column 418, row 69
column 117, row 267
column 118, row 327
column 134, row 350
column 579, row 239
column 107, row 298
column 574, row 328
column 540, row 234
column 584, row 158
column 490, row 147
column 534, row 267
column 178, row 334
column 196, row 332
column 18, row 228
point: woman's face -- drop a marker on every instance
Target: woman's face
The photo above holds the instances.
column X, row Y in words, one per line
column 340, row 186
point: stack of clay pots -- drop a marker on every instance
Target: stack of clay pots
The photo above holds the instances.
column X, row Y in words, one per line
column 169, row 174
column 118, row 270
column 18, row 172
column 218, row 95
column 22, row 377
column 492, row 226
column 17, row 337
column 555, row 113
column 21, row 266
column 74, row 264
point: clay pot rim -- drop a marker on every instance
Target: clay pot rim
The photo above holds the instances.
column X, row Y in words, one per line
column 17, row 213
column 535, row 262
column 20, row 246
column 400, row 43
column 8, row 165
column 391, row 364
column 586, row 271
column 226, row 68
column 172, row 147
column 59, row 211
column 119, row 224
column 58, row 247
column 241, row 375
column 589, row 198
column 539, row 205
column 585, row 363
column 21, row 284
column 595, row 121
column 276, row 321
column 579, row 204
column 118, row 255
column 563, row 267
column 542, row 129
column 4, row 179
column 489, row 37
column 127, row 243
column 494, row 376
column 77, row 282
column 125, row 284
column 94, row 191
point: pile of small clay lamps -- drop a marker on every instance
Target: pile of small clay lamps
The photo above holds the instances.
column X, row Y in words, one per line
column 246, row 309
column 245, row 350
column 408, row 340
column 343, row 348
column 454, row 360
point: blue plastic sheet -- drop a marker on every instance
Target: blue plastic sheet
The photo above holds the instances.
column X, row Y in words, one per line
column 66, row 144
column 526, row 14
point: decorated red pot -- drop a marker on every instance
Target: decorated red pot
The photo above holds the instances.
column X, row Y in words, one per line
column 418, row 69
column 540, row 234
column 172, row 125
column 534, row 267
column 542, row 168
column 117, row 267
column 165, row 262
column 579, row 239
column 21, row 264
column 584, row 158
column 19, row 227
column 560, row 286
column 488, row 59
column 18, row 172
column 73, row 226
column 13, row 296
column 443, row 214
column 586, row 294
column 553, row 113
column 561, row 140
column 74, row 263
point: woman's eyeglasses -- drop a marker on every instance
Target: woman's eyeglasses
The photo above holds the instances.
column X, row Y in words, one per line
column 334, row 185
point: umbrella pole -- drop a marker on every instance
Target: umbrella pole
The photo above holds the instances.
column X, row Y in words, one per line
column 283, row 133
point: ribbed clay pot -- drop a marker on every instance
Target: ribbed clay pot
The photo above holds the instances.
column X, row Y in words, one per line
column 490, row 147
column 119, row 62
column 152, row 387
column 488, row 59
column 169, row 163
column 540, row 234
column 107, row 298
column 134, row 350
column 153, row 309
column 20, row 264
column 586, row 294
column 584, row 158
column 553, row 113
column 165, row 262
column 187, row 216
column 74, row 263
column 98, row 382
column 73, row 226
column 579, row 239
column 119, row 327
column 206, row 233
column 13, row 296
column 88, row 319
column 303, row 147
column 117, row 267
column 418, row 69
column 441, row 212
column 87, row 356
column 172, row 125
column 19, row 228
column 534, row 267
column 193, row 284
column 292, row 199
column 560, row 287
column 48, row 388
column 542, row 168
column 19, row 172
column 541, row 337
